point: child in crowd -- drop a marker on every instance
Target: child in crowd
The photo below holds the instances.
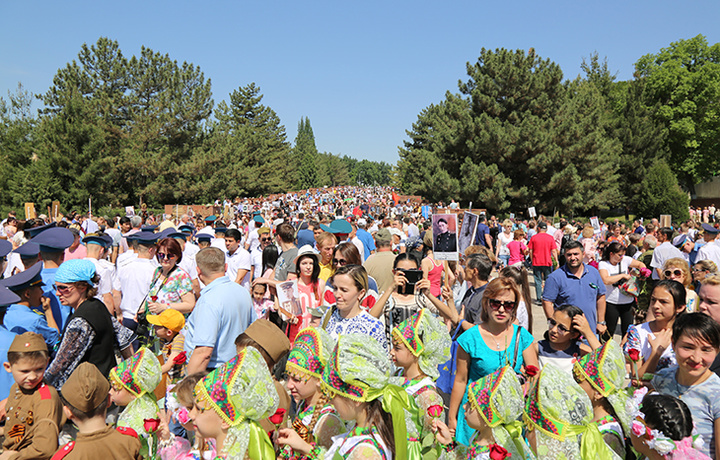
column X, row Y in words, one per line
column 179, row 402
column 273, row 345
column 316, row 419
column 419, row 345
column 230, row 401
column 34, row 410
column 133, row 383
column 85, row 397
column 652, row 339
column 558, row 416
column 602, row 375
column 662, row 428
column 261, row 303
column 696, row 341
column 494, row 403
column 168, row 325
column 562, row 343
column 355, row 377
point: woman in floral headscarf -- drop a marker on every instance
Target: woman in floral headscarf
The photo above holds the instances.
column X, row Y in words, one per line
column 558, row 415
column 357, row 378
column 316, row 419
column 229, row 402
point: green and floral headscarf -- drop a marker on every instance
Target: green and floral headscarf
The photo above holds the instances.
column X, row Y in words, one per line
column 311, row 350
column 242, row 392
column 427, row 338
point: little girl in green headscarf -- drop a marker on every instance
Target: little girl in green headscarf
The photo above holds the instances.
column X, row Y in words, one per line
column 494, row 404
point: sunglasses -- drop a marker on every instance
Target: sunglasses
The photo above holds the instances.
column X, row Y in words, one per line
column 266, row 239
column 339, row 261
column 669, row 273
column 162, row 255
column 495, row 304
column 552, row 323
column 62, row 287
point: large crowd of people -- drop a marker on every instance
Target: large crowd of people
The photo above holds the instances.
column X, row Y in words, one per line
column 329, row 324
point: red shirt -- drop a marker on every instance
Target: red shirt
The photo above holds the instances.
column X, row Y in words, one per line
column 541, row 245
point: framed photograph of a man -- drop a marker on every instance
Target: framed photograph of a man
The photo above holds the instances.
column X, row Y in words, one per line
column 467, row 231
column 445, row 240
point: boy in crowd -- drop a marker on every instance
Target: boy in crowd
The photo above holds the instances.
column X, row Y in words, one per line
column 34, row 410
column 167, row 328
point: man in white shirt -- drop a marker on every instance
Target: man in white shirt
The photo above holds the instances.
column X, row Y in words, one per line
column 136, row 277
column 664, row 251
column 237, row 258
column 253, row 239
column 266, row 240
column 96, row 246
column 711, row 248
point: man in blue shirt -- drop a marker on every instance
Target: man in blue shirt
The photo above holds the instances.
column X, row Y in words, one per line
column 482, row 234
column 223, row 311
column 576, row 283
column 366, row 238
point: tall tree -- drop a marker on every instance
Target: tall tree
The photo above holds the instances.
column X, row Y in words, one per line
column 684, row 79
column 306, row 154
column 661, row 194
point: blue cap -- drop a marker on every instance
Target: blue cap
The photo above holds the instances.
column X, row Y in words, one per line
column 210, row 218
column 186, row 228
column 710, row 229
column 100, row 239
column 165, row 233
column 5, row 248
column 258, row 218
column 35, row 231
column 177, row 236
column 28, row 250
column 146, row 238
column 8, row 297
column 148, row 228
column 220, row 230
column 54, row 239
column 75, row 270
column 23, row 280
column 204, row 237
column 339, row 226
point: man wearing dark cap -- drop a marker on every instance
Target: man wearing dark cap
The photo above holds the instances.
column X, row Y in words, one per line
column 445, row 241
column 380, row 264
column 53, row 243
column 32, row 312
column 135, row 277
column 85, row 400
column 711, row 249
column 97, row 245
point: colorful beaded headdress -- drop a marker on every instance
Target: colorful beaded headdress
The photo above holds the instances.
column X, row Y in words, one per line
column 604, row 369
column 426, row 337
column 311, row 350
column 138, row 374
column 242, row 392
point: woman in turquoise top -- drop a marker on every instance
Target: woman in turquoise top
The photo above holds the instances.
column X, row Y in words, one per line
column 488, row 347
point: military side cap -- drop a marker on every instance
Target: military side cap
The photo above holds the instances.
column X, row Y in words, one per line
column 8, row 297
column 341, row 226
column 186, row 228
column 28, row 250
column 383, row 236
column 710, row 229
column 101, row 240
column 5, row 248
column 54, row 239
column 210, row 218
column 263, row 230
column 28, row 341
column 25, row 279
column 148, row 228
column 35, row 231
column 258, row 218
column 270, row 337
column 86, row 388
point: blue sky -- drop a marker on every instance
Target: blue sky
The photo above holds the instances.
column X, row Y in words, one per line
column 361, row 71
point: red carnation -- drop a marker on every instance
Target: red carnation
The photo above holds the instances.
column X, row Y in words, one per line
column 634, row 354
column 498, row 452
column 434, row 410
column 277, row 417
column 180, row 359
column 151, row 424
column 531, row 370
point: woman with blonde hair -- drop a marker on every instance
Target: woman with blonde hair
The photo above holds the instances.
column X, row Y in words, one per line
column 677, row 269
column 506, row 236
column 702, row 269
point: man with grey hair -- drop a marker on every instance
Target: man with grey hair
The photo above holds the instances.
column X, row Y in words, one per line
column 648, row 247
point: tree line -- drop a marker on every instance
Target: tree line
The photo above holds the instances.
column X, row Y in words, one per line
column 146, row 129
column 516, row 134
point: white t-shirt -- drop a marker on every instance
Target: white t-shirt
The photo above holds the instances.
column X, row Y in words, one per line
column 503, row 241
column 106, row 276
column 710, row 251
column 239, row 260
column 613, row 294
column 662, row 253
column 135, row 278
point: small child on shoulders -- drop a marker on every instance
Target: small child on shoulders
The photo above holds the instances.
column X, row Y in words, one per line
column 34, row 410
column 85, row 399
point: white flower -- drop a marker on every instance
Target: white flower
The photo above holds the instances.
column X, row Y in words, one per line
column 662, row 446
column 698, row 442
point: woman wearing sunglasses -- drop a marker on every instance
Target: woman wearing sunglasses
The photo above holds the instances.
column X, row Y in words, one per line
column 171, row 286
column 489, row 346
column 677, row 269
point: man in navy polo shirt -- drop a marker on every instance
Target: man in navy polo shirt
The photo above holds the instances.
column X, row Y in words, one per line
column 576, row 283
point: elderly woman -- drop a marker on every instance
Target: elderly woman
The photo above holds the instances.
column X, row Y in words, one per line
column 701, row 269
column 677, row 269
column 92, row 333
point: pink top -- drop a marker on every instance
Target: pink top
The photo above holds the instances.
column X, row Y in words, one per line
column 79, row 253
column 308, row 300
column 435, row 277
column 516, row 248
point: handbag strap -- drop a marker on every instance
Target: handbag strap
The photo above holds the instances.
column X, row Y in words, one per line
column 457, row 329
column 517, row 346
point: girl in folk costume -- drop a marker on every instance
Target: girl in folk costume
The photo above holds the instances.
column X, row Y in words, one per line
column 558, row 415
column 602, row 375
column 316, row 420
column 229, row 402
column 494, row 403
column 133, row 383
column 419, row 345
column 357, row 379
